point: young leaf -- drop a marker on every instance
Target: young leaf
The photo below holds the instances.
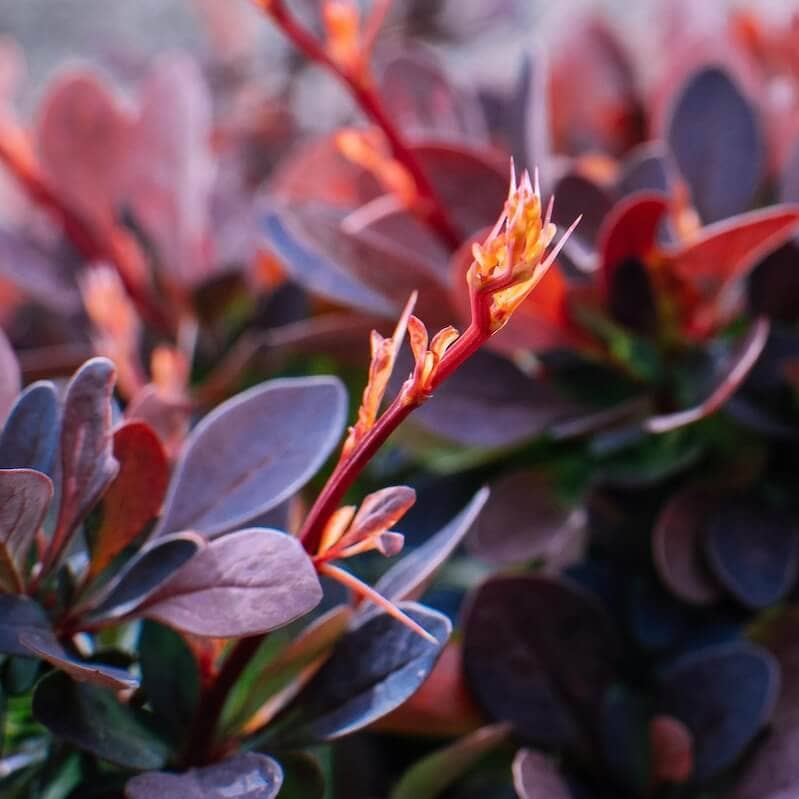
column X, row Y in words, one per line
column 408, row 578
column 246, row 776
column 134, row 497
column 18, row 615
column 30, row 436
column 45, row 646
column 144, row 574
column 539, row 653
column 87, row 461
column 245, row 583
column 724, row 695
column 170, row 676
column 429, row 777
column 718, row 144
column 91, row 718
column 24, row 497
column 753, row 552
column 372, row 670
column 252, row 452
column 535, row 777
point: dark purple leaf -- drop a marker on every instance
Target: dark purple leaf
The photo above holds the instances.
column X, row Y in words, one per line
column 773, row 770
column 143, row 574
column 253, row 452
column 409, row 577
column 522, row 520
column 789, row 188
column 774, row 284
column 92, row 718
column 717, row 142
column 724, row 695
column 678, row 545
column 246, row 776
column 644, row 169
column 31, row 433
column 739, row 365
column 244, row 583
column 20, row 615
column 45, row 646
column 576, row 195
column 24, row 497
column 373, row 669
column 754, row 552
column 9, row 377
column 535, row 776
column 539, row 653
column 488, row 402
column 631, row 298
column 87, row 461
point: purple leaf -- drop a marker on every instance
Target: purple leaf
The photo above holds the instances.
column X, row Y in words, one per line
column 373, row 669
column 576, row 195
column 717, row 142
column 144, row 573
column 774, row 285
column 20, row 615
column 539, row 653
column 24, row 497
column 523, row 520
column 754, row 552
column 30, row 436
column 312, row 266
column 87, row 461
column 9, row 377
column 246, row 776
column 678, row 545
column 45, row 646
column 724, row 695
column 409, row 577
column 535, row 776
column 253, row 452
column 644, row 169
column 245, row 583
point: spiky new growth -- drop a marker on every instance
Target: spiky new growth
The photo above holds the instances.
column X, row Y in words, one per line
column 507, row 267
column 512, row 260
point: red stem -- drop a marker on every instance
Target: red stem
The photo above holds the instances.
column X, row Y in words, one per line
column 430, row 208
column 348, row 470
column 85, row 240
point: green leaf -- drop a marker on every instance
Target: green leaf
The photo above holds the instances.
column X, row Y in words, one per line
column 170, row 676
column 433, row 774
column 91, row 718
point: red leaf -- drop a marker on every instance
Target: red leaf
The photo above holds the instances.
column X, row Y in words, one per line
column 135, row 496
column 629, row 231
column 672, row 750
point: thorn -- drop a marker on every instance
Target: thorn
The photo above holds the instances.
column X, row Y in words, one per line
column 550, row 207
column 512, row 178
column 537, row 183
column 367, row 592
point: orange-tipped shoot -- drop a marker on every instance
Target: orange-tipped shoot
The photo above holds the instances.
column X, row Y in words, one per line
column 512, row 260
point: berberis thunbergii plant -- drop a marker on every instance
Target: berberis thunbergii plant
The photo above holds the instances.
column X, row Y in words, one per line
column 137, row 604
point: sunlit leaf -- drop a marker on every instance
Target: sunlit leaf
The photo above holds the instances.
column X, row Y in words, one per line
column 244, row 583
column 30, row 435
column 253, row 452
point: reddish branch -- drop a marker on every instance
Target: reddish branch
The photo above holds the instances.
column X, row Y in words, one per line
column 429, row 207
column 89, row 243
